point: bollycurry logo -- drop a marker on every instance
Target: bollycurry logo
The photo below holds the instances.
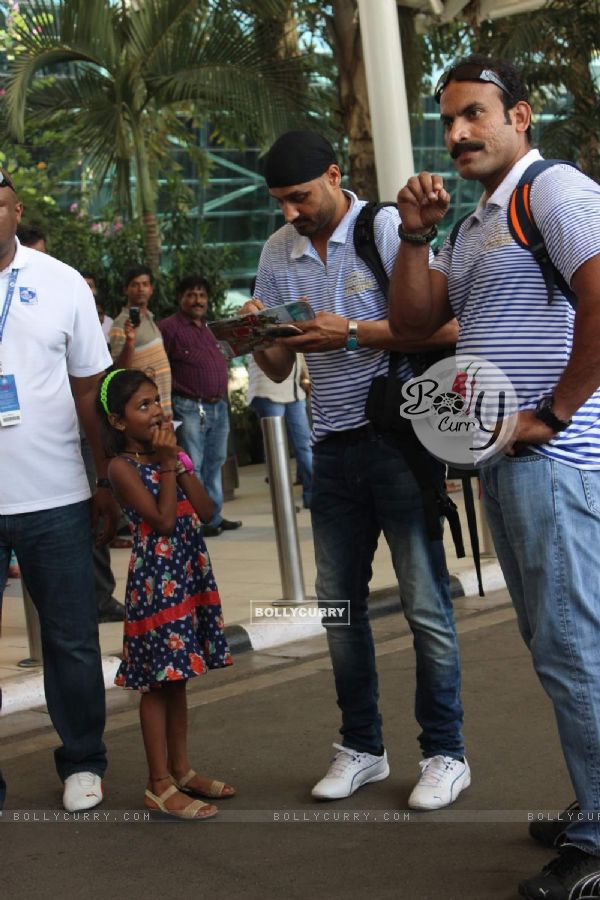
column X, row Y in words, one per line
column 463, row 410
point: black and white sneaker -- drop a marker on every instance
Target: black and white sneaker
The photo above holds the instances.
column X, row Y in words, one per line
column 548, row 833
column 572, row 875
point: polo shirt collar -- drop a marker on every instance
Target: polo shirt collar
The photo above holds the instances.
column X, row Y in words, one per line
column 302, row 245
column 20, row 259
column 501, row 195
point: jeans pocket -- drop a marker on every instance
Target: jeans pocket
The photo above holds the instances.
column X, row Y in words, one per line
column 590, row 481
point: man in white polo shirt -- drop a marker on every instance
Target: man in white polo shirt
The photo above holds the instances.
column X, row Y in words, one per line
column 542, row 498
column 362, row 482
column 52, row 353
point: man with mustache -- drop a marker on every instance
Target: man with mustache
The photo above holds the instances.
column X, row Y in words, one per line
column 199, row 374
column 362, row 482
column 543, row 498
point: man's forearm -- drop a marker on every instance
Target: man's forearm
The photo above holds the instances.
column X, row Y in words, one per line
column 276, row 362
column 412, row 310
column 125, row 359
column 84, row 395
column 381, row 336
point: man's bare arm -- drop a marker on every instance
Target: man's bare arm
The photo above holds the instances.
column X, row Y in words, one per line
column 581, row 375
column 103, row 503
column 419, row 295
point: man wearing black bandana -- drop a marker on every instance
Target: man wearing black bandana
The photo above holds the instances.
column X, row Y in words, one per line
column 362, row 484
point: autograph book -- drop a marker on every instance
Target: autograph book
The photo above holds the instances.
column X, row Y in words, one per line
column 243, row 334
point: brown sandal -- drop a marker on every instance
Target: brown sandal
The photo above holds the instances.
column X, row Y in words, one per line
column 214, row 792
column 188, row 813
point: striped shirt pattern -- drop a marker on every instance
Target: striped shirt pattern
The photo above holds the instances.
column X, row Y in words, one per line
column 498, row 294
column 290, row 268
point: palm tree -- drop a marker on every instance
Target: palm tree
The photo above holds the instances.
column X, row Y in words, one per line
column 129, row 78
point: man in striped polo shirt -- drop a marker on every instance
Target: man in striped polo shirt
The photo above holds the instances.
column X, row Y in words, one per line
column 362, row 484
column 543, row 497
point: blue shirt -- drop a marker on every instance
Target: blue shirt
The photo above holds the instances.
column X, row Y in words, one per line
column 291, row 268
column 497, row 292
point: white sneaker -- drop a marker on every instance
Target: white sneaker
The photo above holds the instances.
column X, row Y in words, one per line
column 442, row 779
column 348, row 770
column 83, row 790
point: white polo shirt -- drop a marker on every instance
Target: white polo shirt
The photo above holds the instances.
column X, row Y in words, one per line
column 291, row 268
column 52, row 331
column 497, row 292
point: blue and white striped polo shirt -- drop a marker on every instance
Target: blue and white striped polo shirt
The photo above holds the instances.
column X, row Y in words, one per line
column 291, row 268
column 498, row 294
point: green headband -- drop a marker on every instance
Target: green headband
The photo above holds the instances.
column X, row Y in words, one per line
column 104, row 389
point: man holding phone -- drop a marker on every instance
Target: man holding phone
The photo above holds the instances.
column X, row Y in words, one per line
column 135, row 338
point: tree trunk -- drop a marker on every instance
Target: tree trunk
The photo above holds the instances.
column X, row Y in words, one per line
column 146, row 193
column 344, row 35
column 151, row 240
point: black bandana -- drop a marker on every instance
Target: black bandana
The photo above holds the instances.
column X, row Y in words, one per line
column 297, row 157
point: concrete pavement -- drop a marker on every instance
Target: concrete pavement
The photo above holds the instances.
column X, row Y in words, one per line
column 246, row 569
column 266, row 726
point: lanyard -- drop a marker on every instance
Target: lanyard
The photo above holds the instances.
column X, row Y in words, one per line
column 12, row 280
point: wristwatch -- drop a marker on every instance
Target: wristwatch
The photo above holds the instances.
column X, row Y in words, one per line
column 352, row 337
column 103, row 483
column 543, row 412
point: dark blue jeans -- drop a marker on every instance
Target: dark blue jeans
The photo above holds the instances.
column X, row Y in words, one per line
column 362, row 487
column 54, row 548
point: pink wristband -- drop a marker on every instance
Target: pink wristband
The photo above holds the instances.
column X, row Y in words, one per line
column 186, row 462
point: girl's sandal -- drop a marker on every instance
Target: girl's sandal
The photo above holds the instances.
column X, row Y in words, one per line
column 188, row 813
column 215, row 789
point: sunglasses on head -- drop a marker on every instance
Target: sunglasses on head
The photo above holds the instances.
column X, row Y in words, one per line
column 468, row 72
column 5, row 181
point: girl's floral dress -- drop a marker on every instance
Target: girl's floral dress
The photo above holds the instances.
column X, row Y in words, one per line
column 174, row 623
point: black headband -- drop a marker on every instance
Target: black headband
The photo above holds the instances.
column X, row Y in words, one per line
column 297, row 157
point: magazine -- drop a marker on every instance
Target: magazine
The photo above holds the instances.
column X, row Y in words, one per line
column 255, row 331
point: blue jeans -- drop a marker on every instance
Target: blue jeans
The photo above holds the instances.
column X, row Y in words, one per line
column 54, row 547
column 204, row 437
column 298, row 429
column 359, row 490
column 545, row 520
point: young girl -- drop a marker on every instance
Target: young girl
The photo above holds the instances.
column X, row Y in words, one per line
column 173, row 624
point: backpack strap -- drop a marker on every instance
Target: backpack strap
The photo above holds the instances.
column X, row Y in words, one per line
column 456, row 228
column 364, row 242
column 525, row 232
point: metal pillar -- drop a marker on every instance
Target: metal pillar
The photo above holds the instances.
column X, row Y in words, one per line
column 384, row 68
column 284, row 512
column 34, row 634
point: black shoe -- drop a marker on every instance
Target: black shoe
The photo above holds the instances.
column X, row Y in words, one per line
column 113, row 611
column 212, row 530
column 228, row 525
column 547, row 833
column 572, row 875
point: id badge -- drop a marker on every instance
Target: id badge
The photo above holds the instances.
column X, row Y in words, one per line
column 10, row 411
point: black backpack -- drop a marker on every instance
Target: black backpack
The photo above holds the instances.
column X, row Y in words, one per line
column 424, row 468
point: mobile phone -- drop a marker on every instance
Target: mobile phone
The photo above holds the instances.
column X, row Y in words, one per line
column 277, row 331
column 134, row 316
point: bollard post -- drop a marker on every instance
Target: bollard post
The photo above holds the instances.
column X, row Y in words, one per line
column 487, row 544
column 284, row 512
column 34, row 634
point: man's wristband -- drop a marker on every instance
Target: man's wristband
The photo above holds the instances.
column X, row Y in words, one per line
column 417, row 238
column 103, row 483
column 352, row 336
column 545, row 414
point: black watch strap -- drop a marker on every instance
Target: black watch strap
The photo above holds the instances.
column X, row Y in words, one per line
column 544, row 413
column 103, row 483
